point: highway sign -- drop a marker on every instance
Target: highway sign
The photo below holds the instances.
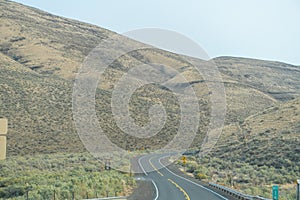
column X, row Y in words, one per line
column 3, row 126
column 3, row 132
column 183, row 159
column 275, row 192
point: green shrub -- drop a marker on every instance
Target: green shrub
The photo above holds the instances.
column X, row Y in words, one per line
column 200, row 176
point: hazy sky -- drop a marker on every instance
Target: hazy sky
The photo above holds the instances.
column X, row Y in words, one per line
column 266, row 29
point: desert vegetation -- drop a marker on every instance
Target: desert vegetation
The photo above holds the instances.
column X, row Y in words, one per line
column 247, row 178
column 61, row 175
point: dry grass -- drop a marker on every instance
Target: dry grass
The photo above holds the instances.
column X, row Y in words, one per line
column 270, row 137
column 40, row 56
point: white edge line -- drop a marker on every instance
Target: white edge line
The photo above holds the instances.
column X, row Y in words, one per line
column 108, row 198
column 143, row 170
column 156, row 190
column 159, row 160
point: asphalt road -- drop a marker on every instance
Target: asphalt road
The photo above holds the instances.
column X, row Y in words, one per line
column 170, row 186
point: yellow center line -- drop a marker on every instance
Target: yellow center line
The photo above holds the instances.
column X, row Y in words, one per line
column 181, row 189
column 155, row 168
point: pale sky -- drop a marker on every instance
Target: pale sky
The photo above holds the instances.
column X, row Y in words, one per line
column 264, row 29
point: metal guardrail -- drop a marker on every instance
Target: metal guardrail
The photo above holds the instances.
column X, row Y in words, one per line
column 235, row 194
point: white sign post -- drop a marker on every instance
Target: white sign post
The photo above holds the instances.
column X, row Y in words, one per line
column 298, row 189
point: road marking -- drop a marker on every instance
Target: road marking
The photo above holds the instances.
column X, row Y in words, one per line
column 156, row 190
column 144, row 171
column 181, row 189
column 159, row 160
column 155, row 167
column 139, row 161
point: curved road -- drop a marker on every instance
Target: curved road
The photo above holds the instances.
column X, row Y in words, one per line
column 170, row 186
